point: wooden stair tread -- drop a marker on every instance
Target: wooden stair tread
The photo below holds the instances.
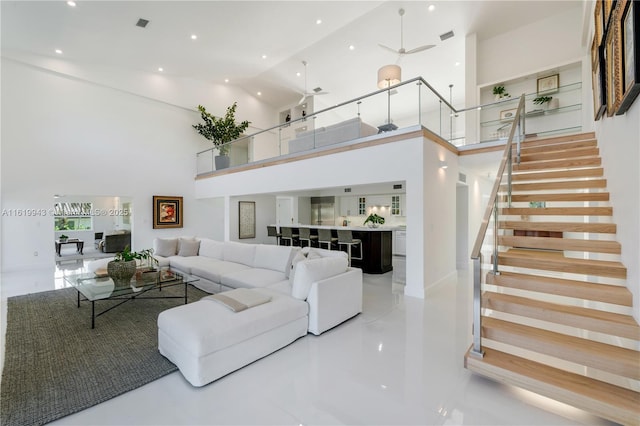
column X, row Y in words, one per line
column 574, row 316
column 587, row 143
column 618, row 295
column 558, row 211
column 572, row 196
column 602, row 399
column 559, row 174
column 558, row 164
column 605, row 228
column 616, row 360
column 554, row 140
column 556, row 261
column 594, row 246
column 567, row 184
column 565, row 153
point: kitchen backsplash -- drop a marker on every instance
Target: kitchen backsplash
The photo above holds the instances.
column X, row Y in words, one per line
column 359, row 220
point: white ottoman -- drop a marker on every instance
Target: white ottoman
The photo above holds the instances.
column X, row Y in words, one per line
column 206, row 340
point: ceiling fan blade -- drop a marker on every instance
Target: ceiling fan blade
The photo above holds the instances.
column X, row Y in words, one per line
column 420, row 49
column 387, row 48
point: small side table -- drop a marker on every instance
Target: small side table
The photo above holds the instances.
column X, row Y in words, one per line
column 79, row 245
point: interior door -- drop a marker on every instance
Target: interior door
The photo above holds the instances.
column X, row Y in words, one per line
column 284, row 211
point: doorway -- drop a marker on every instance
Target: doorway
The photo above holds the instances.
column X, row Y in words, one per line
column 284, row 211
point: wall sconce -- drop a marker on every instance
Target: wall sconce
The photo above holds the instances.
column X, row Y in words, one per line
column 443, row 164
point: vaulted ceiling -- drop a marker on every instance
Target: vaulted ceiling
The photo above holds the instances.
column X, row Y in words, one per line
column 260, row 45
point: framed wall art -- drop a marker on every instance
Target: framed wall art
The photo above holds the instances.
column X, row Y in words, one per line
column 614, row 65
column 549, row 84
column 597, row 80
column 167, row 212
column 598, row 23
column 246, row 219
column 629, row 22
column 508, row 114
column 607, row 11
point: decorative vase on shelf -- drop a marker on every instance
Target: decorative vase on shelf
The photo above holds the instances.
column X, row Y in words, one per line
column 222, row 161
column 554, row 103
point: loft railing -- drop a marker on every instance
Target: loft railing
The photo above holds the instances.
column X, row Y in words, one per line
column 491, row 214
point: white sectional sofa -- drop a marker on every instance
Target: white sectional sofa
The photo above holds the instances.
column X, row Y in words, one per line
column 322, row 136
column 309, row 290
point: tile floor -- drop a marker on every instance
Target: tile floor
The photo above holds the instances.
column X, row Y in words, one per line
column 399, row 362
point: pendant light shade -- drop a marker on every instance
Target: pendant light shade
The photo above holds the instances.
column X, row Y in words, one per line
column 389, row 75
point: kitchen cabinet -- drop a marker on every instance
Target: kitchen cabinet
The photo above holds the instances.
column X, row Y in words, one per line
column 398, row 205
column 348, row 206
column 400, row 243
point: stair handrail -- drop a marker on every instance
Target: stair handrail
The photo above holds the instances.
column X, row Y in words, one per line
column 492, row 209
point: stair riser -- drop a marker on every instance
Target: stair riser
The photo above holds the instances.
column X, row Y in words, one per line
column 593, row 196
column 595, row 246
column 559, row 174
column 604, row 228
column 558, row 211
column 525, row 150
column 559, row 139
column 556, row 164
column 542, row 186
column 548, row 265
column 526, row 156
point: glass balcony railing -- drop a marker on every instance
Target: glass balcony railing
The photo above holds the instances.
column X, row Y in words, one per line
column 410, row 103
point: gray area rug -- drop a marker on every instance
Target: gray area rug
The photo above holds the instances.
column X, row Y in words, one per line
column 56, row 365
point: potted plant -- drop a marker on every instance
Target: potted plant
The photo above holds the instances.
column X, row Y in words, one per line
column 500, row 92
column 63, row 238
column 123, row 267
column 221, row 131
column 542, row 101
column 374, row 220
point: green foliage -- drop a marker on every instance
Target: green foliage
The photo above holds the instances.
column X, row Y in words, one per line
column 374, row 218
column 542, row 100
column 221, row 130
column 64, row 237
column 500, row 91
column 128, row 255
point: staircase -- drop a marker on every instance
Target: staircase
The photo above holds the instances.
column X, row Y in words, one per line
column 557, row 318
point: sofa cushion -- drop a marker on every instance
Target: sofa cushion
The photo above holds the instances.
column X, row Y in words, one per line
column 252, row 277
column 211, row 248
column 165, row 247
column 188, row 247
column 186, row 264
column 272, row 257
column 309, row 271
column 214, row 270
column 204, row 327
column 299, row 257
column 239, row 253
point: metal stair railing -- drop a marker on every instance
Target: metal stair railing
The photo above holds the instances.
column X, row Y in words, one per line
column 506, row 165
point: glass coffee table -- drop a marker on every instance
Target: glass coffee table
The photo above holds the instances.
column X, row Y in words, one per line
column 92, row 287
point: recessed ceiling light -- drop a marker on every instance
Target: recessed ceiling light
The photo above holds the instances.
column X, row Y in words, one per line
column 352, row 47
column 264, row 56
column 457, row 63
column 59, row 52
column 318, row 21
column 431, row 8
column 194, row 37
column 71, row 3
column 160, row 69
column 226, row 80
column 298, row 74
column 259, row 93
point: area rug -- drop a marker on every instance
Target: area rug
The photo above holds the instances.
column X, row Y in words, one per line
column 56, row 365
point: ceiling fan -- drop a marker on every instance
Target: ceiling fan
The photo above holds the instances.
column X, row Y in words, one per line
column 402, row 50
column 306, row 94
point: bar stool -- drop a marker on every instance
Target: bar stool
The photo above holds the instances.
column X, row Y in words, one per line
column 305, row 235
column 324, row 237
column 290, row 236
column 272, row 231
column 345, row 237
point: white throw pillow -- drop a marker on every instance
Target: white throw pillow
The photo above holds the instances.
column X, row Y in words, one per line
column 165, row 247
column 299, row 257
column 310, row 271
column 188, row 247
column 272, row 257
column 292, row 255
column 211, row 248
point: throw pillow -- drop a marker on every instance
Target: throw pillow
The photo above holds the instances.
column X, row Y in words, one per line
column 188, row 247
column 299, row 257
column 165, row 247
column 211, row 248
column 310, row 271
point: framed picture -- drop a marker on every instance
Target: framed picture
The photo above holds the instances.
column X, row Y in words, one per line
column 614, row 66
column 548, row 84
column 597, row 80
column 508, row 114
column 629, row 23
column 598, row 21
column 246, row 219
column 608, row 6
column 167, row 212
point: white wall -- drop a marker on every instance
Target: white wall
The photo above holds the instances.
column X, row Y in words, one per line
column 430, row 193
column 65, row 135
column 265, row 215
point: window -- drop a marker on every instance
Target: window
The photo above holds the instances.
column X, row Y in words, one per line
column 395, row 205
column 362, row 205
column 73, row 216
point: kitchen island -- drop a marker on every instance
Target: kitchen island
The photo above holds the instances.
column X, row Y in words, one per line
column 377, row 245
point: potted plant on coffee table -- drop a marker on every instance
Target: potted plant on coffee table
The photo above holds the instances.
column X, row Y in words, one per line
column 123, row 267
column 221, row 131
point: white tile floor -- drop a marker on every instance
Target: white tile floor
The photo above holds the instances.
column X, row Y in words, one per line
column 399, row 362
